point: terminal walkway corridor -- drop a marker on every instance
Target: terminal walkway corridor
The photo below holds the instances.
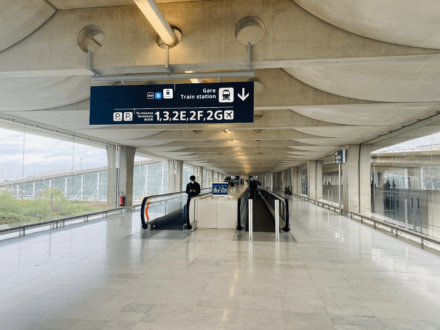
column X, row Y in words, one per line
column 103, row 275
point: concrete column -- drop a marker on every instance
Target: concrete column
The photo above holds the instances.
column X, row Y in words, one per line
column 275, row 181
column 365, row 179
column 356, row 179
column 126, row 168
column 111, row 176
column 283, row 179
column 179, row 175
column 311, row 173
column 295, row 187
column 319, row 180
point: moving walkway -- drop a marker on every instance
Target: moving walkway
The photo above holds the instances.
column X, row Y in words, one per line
column 178, row 212
column 169, row 211
column 266, row 205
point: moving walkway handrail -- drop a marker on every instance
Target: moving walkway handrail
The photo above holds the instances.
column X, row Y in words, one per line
column 284, row 200
column 240, row 211
column 146, row 199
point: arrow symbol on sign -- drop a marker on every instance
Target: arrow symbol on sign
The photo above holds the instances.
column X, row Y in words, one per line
column 242, row 96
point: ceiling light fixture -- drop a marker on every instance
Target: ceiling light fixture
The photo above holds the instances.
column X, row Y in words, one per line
column 227, row 131
column 194, row 80
column 158, row 22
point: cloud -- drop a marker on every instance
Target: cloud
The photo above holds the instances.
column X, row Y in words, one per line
column 42, row 154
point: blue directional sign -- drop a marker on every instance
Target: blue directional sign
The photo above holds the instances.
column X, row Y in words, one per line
column 216, row 103
column 340, row 156
column 219, row 189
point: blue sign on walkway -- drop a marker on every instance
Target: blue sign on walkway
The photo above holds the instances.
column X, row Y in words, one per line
column 219, row 189
column 216, row 103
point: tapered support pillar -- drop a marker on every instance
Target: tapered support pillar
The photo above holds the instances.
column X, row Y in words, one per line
column 311, row 172
column 283, row 179
column 111, row 177
column 318, row 181
column 294, row 174
column 276, row 181
column 126, row 170
column 356, row 179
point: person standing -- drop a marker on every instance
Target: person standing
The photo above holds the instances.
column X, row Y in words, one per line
column 253, row 188
column 193, row 187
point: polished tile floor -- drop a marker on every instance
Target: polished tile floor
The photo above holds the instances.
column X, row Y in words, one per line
column 109, row 275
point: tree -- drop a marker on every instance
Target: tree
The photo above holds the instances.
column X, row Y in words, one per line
column 16, row 212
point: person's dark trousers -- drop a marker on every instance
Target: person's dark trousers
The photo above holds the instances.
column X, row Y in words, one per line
column 253, row 194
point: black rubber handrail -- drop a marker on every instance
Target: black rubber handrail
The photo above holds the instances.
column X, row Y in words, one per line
column 239, row 226
column 286, row 227
column 144, row 202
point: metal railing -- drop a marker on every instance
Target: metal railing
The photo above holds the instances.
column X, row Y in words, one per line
column 393, row 228
column 329, row 206
column 58, row 222
column 251, row 219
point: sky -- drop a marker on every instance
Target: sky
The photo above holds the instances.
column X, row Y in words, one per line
column 43, row 154
column 424, row 141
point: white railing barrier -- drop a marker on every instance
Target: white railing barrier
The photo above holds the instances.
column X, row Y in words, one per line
column 277, row 219
column 251, row 219
column 394, row 229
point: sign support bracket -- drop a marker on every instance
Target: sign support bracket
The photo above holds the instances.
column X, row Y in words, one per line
column 249, row 57
column 167, row 60
column 89, row 64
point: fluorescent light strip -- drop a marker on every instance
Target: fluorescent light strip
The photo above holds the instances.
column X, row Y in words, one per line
column 154, row 16
column 194, row 80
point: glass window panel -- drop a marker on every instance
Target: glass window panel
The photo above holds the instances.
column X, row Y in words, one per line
column 303, row 177
column 405, row 178
column 330, row 181
column 187, row 172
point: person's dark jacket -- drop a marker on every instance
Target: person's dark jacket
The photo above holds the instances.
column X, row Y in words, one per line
column 253, row 185
column 193, row 186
